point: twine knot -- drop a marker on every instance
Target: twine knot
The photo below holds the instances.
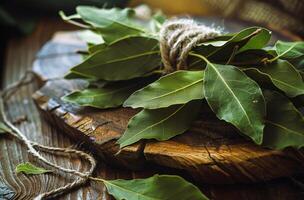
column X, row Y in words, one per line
column 178, row 37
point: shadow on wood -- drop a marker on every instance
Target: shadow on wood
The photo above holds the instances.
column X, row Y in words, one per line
column 211, row 151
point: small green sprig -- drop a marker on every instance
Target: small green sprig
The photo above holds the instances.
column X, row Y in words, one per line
column 155, row 187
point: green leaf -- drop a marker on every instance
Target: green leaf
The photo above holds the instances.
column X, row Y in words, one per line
column 98, row 47
column 284, row 124
column 282, row 74
column 107, row 97
column 4, row 128
column 157, row 21
column 125, row 59
column 235, row 98
column 113, row 24
column 298, row 63
column 258, row 41
column 289, row 50
column 31, row 169
column 160, row 124
column 158, row 187
column 208, row 48
column 179, row 87
column 252, row 57
column 72, row 75
column 222, row 50
column 90, row 37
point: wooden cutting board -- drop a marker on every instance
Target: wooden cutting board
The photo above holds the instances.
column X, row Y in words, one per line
column 211, row 151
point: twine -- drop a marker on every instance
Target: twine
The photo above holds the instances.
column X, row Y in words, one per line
column 82, row 177
column 178, row 37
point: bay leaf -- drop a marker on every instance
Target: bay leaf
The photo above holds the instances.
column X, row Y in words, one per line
column 4, row 128
column 282, row 74
column 235, row 98
column 30, row 169
column 207, row 48
column 222, row 50
column 157, row 187
column 179, row 87
column 251, row 57
column 160, row 124
column 289, row 50
column 75, row 75
column 263, row 79
column 105, row 97
column 125, row 59
column 151, row 26
column 98, row 47
column 298, row 63
column 157, row 21
column 112, row 24
column 258, row 41
column 284, row 124
column 239, row 41
column 90, row 37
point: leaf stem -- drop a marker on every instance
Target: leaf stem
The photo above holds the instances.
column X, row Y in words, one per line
column 159, row 72
column 68, row 20
column 235, row 49
column 279, row 56
column 200, row 56
column 245, row 38
column 97, row 179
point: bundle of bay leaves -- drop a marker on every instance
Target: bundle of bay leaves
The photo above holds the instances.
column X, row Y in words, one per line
column 257, row 88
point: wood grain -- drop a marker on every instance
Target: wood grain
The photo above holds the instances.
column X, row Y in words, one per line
column 20, row 54
column 19, row 57
column 211, row 151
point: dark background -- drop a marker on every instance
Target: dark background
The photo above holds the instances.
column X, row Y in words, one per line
column 18, row 18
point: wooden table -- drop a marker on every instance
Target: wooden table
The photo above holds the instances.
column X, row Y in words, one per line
column 19, row 55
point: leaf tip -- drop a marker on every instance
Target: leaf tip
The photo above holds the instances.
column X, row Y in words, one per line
column 126, row 104
column 30, row 169
column 62, row 15
column 121, row 144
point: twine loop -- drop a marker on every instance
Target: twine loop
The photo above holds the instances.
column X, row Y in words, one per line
column 178, row 37
column 82, row 177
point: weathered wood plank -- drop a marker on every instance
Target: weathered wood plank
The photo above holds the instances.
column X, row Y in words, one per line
column 5, row 191
column 20, row 54
column 211, row 151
